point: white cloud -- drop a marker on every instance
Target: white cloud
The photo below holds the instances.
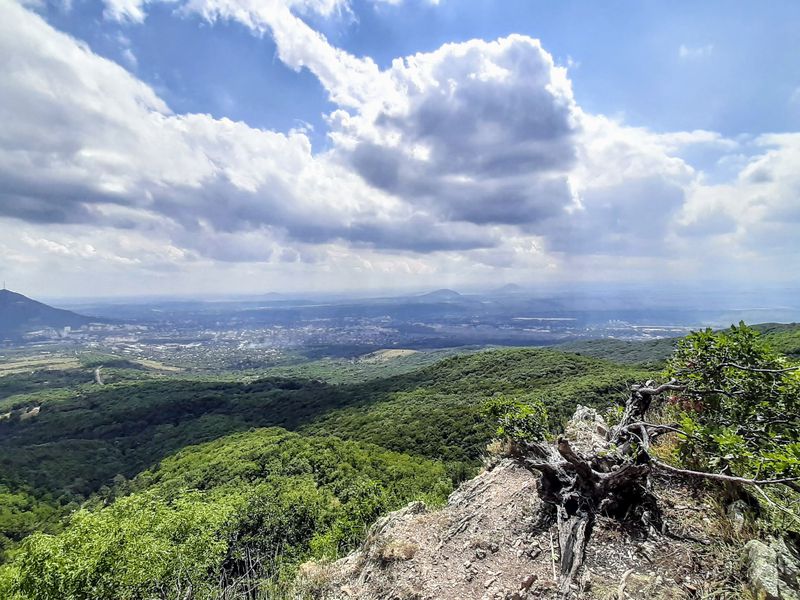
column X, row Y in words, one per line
column 348, row 79
column 253, row 12
column 695, row 52
column 447, row 164
column 759, row 211
column 125, row 10
column 126, row 52
column 82, row 141
column 483, row 132
column 489, row 132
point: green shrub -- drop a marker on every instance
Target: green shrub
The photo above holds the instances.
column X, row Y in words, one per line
column 741, row 407
column 518, row 421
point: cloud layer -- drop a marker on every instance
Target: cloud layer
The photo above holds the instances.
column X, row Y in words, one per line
column 470, row 158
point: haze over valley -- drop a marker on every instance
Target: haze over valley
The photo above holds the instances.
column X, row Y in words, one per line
column 261, row 332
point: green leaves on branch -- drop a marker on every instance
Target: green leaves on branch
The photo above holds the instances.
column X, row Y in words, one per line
column 741, row 407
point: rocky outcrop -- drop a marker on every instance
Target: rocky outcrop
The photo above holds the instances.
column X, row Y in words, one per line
column 496, row 539
column 773, row 570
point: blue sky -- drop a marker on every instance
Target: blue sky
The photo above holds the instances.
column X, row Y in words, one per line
column 285, row 144
column 737, row 74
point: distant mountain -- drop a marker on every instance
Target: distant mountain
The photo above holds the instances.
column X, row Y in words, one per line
column 443, row 295
column 19, row 314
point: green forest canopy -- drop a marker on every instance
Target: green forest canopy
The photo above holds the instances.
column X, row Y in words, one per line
column 252, row 489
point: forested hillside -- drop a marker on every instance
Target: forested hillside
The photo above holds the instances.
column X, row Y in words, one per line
column 783, row 337
column 88, row 440
column 650, row 352
column 19, row 314
column 440, row 415
column 228, row 516
column 246, row 477
column 83, row 436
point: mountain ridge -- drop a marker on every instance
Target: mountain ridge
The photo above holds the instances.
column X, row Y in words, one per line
column 20, row 314
column 444, row 294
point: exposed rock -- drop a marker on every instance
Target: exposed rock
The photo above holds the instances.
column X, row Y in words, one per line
column 788, row 559
column 587, row 431
column 500, row 508
column 738, row 512
column 773, row 570
column 527, row 582
column 499, row 537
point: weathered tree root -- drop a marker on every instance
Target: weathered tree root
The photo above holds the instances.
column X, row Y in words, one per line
column 580, row 492
column 613, row 482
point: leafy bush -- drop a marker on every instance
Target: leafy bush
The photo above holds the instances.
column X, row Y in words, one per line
column 520, row 422
column 741, row 407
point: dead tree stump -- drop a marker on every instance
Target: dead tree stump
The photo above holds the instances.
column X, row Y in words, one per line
column 612, row 481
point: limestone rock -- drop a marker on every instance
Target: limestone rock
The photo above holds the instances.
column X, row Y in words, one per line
column 788, row 563
column 586, row 431
column 738, row 512
column 762, row 570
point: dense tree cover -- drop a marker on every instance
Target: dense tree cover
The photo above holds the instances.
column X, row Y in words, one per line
column 109, row 361
column 783, row 338
column 241, row 511
column 641, row 352
column 517, row 422
column 22, row 512
column 33, row 388
column 45, row 379
column 349, row 370
column 247, row 505
column 87, row 435
column 442, row 416
column 78, row 443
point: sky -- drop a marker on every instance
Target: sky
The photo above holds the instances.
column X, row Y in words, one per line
column 248, row 146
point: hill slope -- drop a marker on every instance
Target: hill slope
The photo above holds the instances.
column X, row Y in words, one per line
column 499, row 538
column 783, row 337
column 443, row 295
column 279, row 498
column 20, row 314
column 204, row 517
column 83, row 435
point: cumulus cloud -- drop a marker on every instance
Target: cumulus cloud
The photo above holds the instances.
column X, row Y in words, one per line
column 135, row 11
column 759, row 210
column 472, row 157
column 489, row 133
column 82, row 141
column 349, row 80
column 483, row 132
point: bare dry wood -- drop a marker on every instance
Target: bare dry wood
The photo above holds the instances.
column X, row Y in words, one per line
column 758, row 370
column 720, row 476
column 614, row 481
